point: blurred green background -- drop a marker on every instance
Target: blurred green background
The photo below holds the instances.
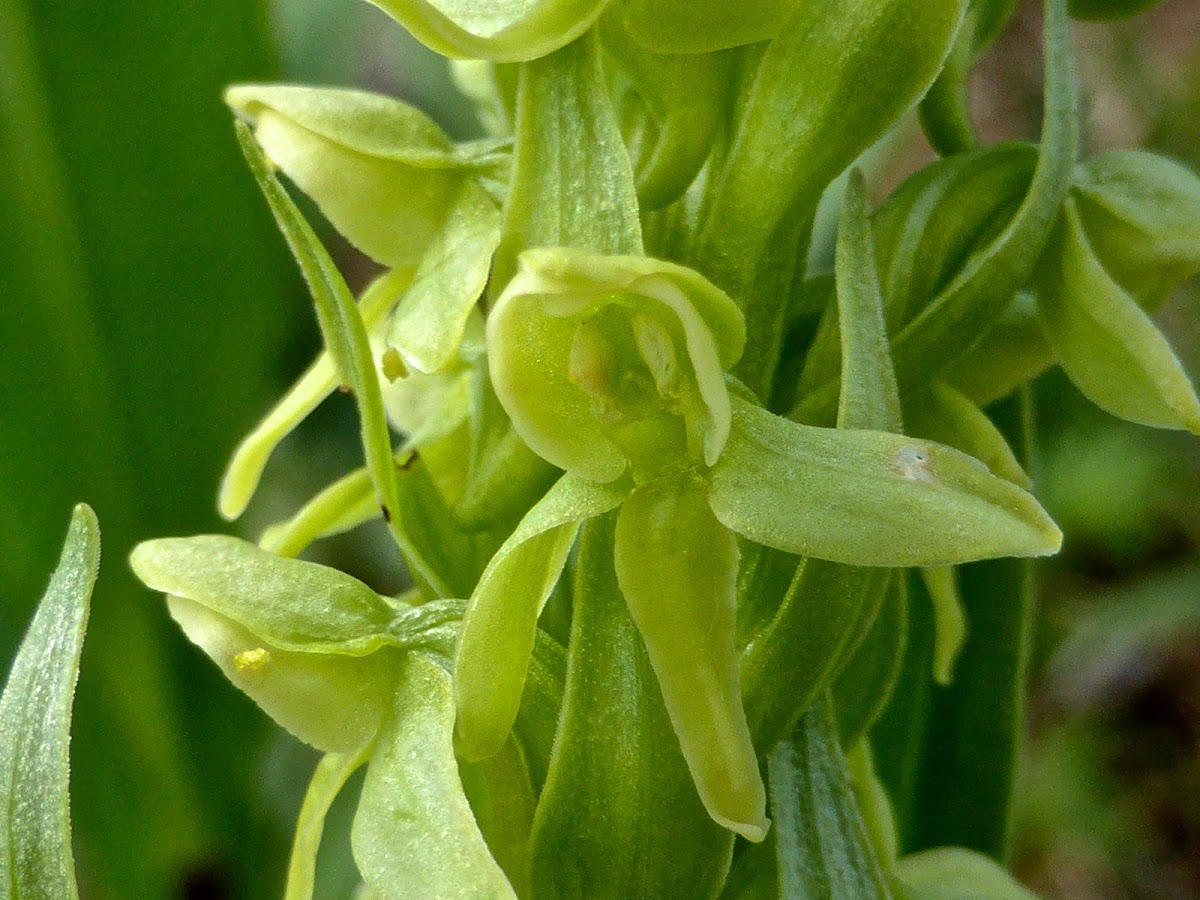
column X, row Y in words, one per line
column 149, row 313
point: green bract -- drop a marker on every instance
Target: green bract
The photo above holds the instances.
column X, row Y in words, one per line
column 614, row 363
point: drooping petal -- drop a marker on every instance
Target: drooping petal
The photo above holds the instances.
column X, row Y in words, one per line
column 498, row 629
column 246, row 467
column 677, row 567
column 414, row 834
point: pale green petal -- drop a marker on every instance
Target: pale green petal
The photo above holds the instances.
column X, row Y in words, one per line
column 498, row 629
column 1107, row 344
column 677, row 567
column 414, row 835
column 496, row 30
column 431, row 318
column 345, row 504
column 869, row 498
column 289, row 603
column 530, row 356
column 380, row 170
column 246, row 467
column 1141, row 214
column 949, row 622
column 331, row 775
column 335, row 703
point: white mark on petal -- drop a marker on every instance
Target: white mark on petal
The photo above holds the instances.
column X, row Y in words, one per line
column 911, row 462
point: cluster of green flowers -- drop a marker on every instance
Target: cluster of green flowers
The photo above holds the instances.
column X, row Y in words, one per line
column 599, row 318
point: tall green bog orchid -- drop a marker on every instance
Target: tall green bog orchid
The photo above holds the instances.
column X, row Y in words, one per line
column 655, row 478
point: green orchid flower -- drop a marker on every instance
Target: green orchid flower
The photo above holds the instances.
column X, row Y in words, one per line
column 612, row 368
column 359, row 676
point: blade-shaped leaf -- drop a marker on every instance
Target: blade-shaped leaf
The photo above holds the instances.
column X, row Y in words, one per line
column 821, row 841
column 567, row 135
column 865, row 684
column 35, row 726
column 869, row 498
column 498, row 630
column 677, row 567
column 414, row 834
column 968, row 305
column 618, row 786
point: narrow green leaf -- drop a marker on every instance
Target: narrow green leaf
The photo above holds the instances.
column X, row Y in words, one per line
column 250, row 458
column 869, row 498
column 501, row 621
column 35, row 726
column 1106, row 343
column 828, row 607
column 924, row 234
column 870, row 397
column 820, row 618
column 677, row 567
column 291, row 603
column 566, row 136
column 414, row 834
column 503, row 799
column 837, row 77
column 500, row 31
column 618, row 787
column 331, row 775
column 951, row 873
column 346, row 339
column 821, row 841
column 968, row 305
column 969, row 760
